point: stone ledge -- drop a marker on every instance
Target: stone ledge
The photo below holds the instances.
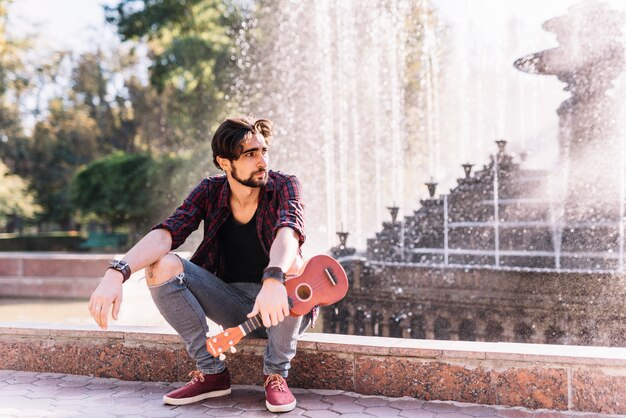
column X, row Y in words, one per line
column 588, row 379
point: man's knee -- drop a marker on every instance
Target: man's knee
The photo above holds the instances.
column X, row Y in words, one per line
column 163, row 269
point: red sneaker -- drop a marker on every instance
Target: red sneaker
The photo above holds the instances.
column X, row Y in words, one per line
column 278, row 397
column 202, row 386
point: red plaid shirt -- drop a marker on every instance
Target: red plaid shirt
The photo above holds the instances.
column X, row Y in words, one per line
column 280, row 206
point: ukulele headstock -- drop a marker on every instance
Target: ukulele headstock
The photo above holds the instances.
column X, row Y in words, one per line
column 220, row 340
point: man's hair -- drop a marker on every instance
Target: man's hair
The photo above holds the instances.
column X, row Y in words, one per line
column 230, row 136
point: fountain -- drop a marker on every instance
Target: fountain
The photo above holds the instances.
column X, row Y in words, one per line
column 517, row 254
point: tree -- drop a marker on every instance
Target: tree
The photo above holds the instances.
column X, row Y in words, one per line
column 13, row 84
column 60, row 144
column 128, row 190
column 190, row 44
column 17, row 203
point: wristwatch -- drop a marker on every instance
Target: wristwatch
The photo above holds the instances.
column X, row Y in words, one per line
column 121, row 266
column 273, row 273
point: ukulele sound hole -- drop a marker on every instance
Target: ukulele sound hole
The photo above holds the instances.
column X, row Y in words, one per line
column 304, row 292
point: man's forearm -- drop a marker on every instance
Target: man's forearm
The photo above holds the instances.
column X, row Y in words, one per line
column 284, row 249
column 149, row 249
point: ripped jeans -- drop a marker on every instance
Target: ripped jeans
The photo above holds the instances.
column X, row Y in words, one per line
column 187, row 299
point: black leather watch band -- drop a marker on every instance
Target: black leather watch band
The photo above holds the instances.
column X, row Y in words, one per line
column 273, row 273
column 122, row 267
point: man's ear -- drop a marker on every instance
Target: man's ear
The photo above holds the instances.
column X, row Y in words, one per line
column 223, row 162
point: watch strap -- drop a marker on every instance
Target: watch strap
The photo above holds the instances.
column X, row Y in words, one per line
column 273, row 273
column 122, row 267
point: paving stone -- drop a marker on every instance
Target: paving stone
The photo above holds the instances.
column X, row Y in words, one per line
column 450, row 415
column 251, row 405
column 264, row 414
column 297, row 412
column 19, row 380
column 71, row 384
column 5, row 374
column 440, row 408
column 351, row 415
column 58, row 395
column 346, row 408
column 406, row 404
column 513, row 413
column 371, row 402
column 478, row 411
column 382, row 411
column 298, row 391
column 321, row 414
column 47, row 375
column 343, row 398
column 125, row 409
column 161, row 413
column 223, row 412
column 14, row 400
column 225, row 401
column 313, row 404
column 43, row 382
column 416, row 413
column 19, row 387
column 326, row 392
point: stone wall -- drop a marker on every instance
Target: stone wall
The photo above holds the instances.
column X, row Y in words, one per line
column 51, row 275
column 590, row 379
column 391, row 299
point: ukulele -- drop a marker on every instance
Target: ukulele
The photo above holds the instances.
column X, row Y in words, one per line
column 322, row 282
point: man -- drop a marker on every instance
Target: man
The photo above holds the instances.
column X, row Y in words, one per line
column 253, row 231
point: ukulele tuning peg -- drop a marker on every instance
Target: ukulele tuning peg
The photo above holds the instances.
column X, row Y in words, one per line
column 222, row 357
column 233, row 350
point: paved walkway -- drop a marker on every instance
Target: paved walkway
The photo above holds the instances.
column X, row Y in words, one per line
column 29, row 394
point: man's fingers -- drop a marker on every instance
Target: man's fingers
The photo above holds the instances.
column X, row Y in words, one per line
column 255, row 310
column 267, row 321
column 116, row 308
column 104, row 314
column 274, row 318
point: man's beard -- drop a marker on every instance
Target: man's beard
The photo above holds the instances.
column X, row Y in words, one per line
column 251, row 181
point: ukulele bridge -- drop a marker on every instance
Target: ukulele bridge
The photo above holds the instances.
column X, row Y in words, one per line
column 330, row 276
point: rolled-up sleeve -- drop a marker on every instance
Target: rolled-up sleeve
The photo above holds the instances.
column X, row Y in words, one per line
column 187, row 217
column 291, row 208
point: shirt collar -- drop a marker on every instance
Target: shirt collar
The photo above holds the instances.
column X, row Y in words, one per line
column 224, row 196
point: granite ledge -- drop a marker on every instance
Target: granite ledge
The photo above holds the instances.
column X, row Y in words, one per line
column 589, row 379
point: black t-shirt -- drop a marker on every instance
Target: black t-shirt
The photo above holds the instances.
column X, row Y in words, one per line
column 244, row 257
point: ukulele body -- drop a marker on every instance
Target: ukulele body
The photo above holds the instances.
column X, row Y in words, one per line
column 322, row 281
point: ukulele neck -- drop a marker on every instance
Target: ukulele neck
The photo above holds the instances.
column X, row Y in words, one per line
column 251, row 324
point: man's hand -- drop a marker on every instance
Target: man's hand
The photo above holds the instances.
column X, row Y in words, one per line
column 107, row 294
column 272, row 303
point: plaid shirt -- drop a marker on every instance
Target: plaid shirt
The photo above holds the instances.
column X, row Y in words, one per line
column 280, row 206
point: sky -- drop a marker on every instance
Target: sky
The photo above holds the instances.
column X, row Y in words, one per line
column 62, row 24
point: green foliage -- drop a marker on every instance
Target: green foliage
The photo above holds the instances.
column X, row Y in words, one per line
column 127, row 189
column 66, row 140
column 191, row 45
column 55, row 241
column 15, row 198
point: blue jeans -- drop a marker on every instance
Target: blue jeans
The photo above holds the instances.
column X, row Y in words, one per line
column 187, row 299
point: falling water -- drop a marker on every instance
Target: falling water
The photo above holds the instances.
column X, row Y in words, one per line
column 372, row 98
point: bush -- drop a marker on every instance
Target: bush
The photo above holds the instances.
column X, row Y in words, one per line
column 132, row 190
column 54, row 241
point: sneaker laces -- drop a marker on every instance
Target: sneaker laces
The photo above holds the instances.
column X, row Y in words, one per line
column 196, row 375
column 276, row 382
